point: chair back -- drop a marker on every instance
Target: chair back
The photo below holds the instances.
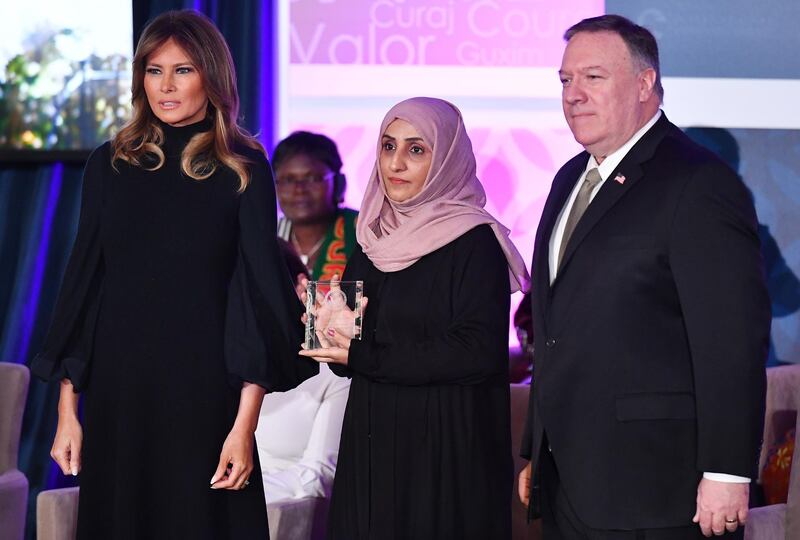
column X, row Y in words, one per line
column 783, row 402
column 793, row 502
column 14, row 379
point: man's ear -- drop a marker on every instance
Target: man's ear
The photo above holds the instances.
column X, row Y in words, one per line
column 647, row 84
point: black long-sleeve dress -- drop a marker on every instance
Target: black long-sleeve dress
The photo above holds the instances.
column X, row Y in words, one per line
column 425, row 449
column 175, row 293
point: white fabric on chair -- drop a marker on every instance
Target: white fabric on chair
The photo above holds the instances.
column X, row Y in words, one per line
column 298, row 437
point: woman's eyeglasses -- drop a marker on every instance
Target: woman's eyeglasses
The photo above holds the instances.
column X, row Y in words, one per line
column 309, row 180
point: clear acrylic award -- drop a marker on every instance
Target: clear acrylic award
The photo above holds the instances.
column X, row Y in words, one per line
column 336, row 305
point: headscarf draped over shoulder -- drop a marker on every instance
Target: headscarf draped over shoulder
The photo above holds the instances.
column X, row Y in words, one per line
column 395, row 235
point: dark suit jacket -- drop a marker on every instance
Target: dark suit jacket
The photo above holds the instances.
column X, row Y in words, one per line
column 651, row 342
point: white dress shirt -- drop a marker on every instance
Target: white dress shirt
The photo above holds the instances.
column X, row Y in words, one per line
column 606, row 169
column 298, row 437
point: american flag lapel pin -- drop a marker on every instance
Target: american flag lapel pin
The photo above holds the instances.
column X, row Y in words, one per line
column 620, row 178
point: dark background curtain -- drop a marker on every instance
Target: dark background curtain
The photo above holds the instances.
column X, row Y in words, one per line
column 39, row 206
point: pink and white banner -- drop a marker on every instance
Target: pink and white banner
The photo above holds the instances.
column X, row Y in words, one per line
column 423, row 32
column 344, row 63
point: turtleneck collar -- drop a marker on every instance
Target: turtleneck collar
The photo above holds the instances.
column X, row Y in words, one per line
column 176, row 138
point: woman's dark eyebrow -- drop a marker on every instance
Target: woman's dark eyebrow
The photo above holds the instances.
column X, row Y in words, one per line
column 179, row 64
column 408, row 139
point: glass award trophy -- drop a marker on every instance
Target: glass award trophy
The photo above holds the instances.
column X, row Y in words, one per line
column 336, row 305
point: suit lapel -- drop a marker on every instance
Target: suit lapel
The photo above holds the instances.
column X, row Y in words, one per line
column 559, row 193
column 630, row 168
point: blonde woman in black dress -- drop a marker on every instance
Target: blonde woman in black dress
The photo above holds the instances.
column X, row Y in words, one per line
column 176, row 313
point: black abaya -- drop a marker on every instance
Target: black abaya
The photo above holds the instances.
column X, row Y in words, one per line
column 426, row 449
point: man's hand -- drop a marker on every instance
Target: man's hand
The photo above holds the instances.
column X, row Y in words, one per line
column 524, row 486
column 721, row 506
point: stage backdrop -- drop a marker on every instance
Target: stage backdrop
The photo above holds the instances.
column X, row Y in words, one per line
column 343, row 63
column 731, row 65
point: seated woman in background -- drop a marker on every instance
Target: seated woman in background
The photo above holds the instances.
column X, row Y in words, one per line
column 310, row 186
column 426, row 440
column 298, row 432
column 298, row 436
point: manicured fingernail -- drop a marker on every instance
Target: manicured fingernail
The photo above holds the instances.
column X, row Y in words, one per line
column 74, row 471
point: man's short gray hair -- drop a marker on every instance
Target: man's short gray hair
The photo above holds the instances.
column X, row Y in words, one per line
column 640, row 41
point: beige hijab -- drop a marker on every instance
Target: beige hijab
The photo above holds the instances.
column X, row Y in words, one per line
column 395, row 235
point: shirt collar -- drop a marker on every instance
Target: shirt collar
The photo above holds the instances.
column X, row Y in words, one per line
column 611, row 162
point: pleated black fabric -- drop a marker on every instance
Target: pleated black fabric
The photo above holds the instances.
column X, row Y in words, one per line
column 175, row 293
column 425, row 449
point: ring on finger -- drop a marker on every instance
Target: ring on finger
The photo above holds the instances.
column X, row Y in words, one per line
column 731, row 521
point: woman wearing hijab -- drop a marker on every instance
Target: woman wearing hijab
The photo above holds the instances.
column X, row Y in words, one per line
column 425, row 449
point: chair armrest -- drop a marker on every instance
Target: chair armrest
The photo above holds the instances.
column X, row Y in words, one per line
column 294, row 518
column 13, row 504
column 57, row 514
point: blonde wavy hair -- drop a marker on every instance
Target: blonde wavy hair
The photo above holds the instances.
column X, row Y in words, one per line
column 139, row 141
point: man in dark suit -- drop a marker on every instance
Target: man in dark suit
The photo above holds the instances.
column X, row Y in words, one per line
column 650, row 315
